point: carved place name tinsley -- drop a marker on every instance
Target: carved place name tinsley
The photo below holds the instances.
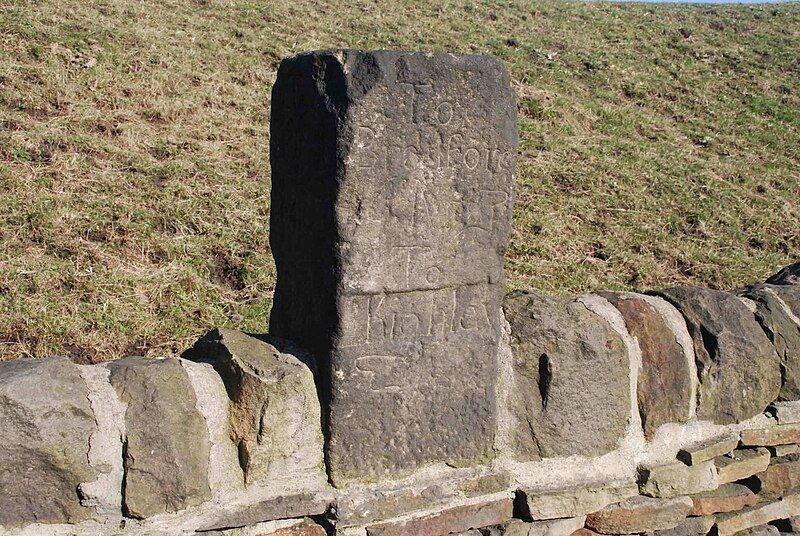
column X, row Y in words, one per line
column 401, row 259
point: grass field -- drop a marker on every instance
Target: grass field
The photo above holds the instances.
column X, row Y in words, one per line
column 660, row 145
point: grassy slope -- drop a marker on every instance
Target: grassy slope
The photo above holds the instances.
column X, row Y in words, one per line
column 659, row 146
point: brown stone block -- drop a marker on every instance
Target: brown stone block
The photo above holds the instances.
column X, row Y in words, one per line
column 726, row 498
column 782, row 434
column 665, row 380
column 741, row 463
column 640, row 514
column 707, row 450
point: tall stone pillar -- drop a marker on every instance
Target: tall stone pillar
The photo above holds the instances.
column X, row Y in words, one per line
column 392, row 193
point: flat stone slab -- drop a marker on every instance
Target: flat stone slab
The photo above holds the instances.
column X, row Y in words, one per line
column 571, row 379
column 664, row 389
column 734, row 522
column 572, row 502
column 708, row 450
column 46, row 423
column 785, row 412
column 166, row 452
column 360, row 508
column 783, row 434
column 281, row 507
column 741, row 463
column 726, row 498
column 640, row 514
column 676, row 478
column 693, row 526
column 738, row 367
column 459, row 519
column 782, row 475
column 392, row 193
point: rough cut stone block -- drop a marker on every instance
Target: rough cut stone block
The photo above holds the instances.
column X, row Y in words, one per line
column 676, row 478
column 574, row 502
column 734, row 522
column 392, row 192
column 45, row 425
column 789, row 275
column 726, row 498
column 571, row 381
column 785, row 412
column 166, row 450
column 457, row 519
column 708, row 450
column 281, row 507
column 664, row 389
column 783, row 434
column 275, row 411
column 777, row 310
column 782, row 475
column 737, row 365
column 640, row 514
column 693, row 526
column 741, row 464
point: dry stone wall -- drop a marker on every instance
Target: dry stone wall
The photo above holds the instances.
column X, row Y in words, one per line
column 399, row 392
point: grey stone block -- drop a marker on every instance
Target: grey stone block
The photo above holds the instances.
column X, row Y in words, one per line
column 392, row 190
column 571, row 379
column 46, row 422
column 737, row 365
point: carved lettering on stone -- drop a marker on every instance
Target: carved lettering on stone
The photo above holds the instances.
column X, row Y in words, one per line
column 389, row 239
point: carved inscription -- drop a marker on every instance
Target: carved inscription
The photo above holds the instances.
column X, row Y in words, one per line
column 393, row 210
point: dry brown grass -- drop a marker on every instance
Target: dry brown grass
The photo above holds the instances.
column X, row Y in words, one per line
column 659, row 145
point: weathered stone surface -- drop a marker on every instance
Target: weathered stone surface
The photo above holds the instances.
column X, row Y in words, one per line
column 664, row 389
column 457, row 519
column 555, row 527
column 392, row 193
column 362, row 508
column 708, row 450
column 167, row 447
column 783, row 450
column 560, row 349
column 676, row 478
column 789, row 275
column 783, row 434
column 281, row 507
column 275, row 412
column 692, row 526
column 304, row 528
column 726, row 498
column 738, row 368
column 584, row 532
column 734, row 522
column 741, row 464
column 782, row 475
column 777, row 310
column 45, row 425
column 574, row 502
column 640, row 514
column 761, row 530
column 785, row 412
